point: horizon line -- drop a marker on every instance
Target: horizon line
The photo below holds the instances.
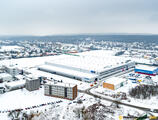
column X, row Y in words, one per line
column 70, row 34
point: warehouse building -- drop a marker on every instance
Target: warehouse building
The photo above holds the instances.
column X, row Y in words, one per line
column 88, row 66
column 114, row 83
column 15, row 85
column 5, row 77
column 32, row 83
column 147, row 70
column 61, row 90
column 12, row 70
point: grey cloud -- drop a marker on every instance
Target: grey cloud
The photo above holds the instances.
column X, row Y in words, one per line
column 77, row 16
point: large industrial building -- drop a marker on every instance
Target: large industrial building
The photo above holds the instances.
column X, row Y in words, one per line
column 147, row 70
column 88, row 66
column 61, row 90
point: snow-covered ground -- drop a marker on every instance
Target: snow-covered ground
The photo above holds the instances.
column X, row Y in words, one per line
column 22, row 99
column 75, row 111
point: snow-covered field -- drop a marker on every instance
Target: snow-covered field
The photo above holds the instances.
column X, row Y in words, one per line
column 75, row 111
column 58, row 111
column 22, row 99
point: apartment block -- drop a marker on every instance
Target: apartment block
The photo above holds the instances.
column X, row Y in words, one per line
column 61, row 90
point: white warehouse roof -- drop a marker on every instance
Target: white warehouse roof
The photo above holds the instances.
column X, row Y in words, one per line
column 146, row 67
column 68, row 71
column 115, row 80
column 97, row 60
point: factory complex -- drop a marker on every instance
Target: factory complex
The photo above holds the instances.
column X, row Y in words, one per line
column 88, row 66
column 66, row 76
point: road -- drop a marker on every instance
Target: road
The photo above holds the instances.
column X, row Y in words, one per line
column 88, row 91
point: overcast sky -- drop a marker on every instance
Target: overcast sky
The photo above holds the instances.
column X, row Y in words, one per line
column 48, row 17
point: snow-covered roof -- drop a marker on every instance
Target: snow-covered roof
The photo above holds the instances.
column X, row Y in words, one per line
column 31, row 79
column 20, row 77
column 68, row 71
column 61, row 84
column 11, row 48
column 16, row 83
column 11, row 66
column 97, row 60
column 146, row 67
column 3, row 75
column 115, row 80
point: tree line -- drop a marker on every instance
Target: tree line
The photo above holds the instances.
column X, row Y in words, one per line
column 144, row 91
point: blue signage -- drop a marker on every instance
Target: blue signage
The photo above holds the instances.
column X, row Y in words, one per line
column 92, row 71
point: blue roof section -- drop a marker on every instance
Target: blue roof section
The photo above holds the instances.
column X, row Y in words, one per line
column 144, row 71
